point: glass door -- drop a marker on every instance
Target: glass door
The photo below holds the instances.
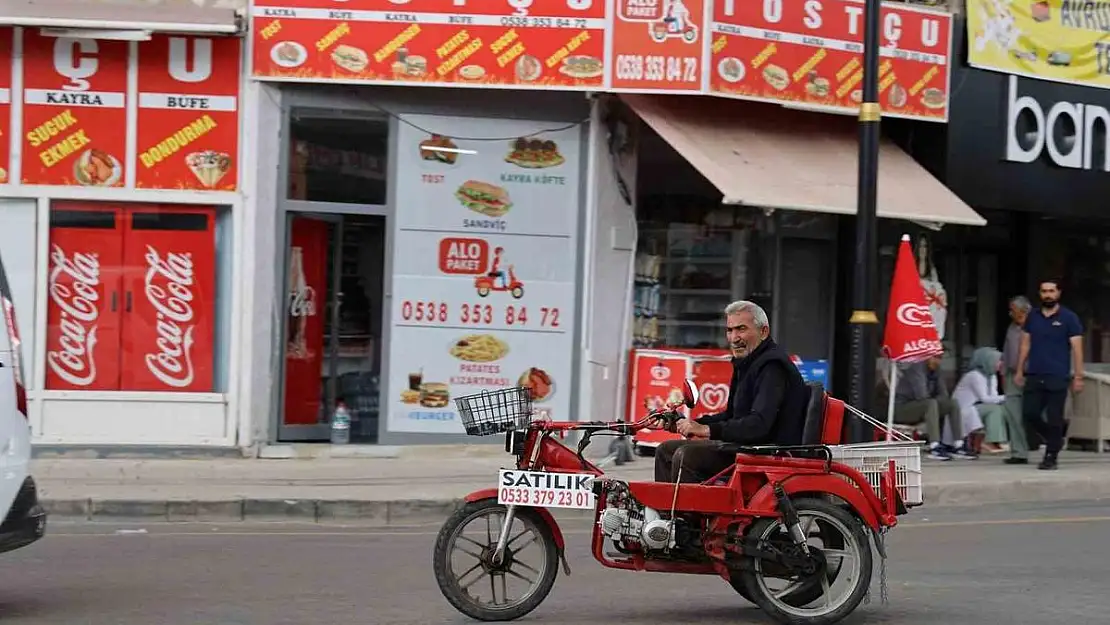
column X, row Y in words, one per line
column 333, row 324
column 311, row 303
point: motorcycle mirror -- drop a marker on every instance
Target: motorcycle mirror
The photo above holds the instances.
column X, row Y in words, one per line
column 690, row 394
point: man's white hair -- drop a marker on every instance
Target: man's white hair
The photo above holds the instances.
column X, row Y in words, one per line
column 743, row 305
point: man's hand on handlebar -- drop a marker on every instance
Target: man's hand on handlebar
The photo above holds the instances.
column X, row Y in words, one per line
column 692, row 429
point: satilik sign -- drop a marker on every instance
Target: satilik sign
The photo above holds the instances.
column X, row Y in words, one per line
column 1068, row 134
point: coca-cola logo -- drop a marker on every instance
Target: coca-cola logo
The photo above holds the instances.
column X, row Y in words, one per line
column 74, row 361
column 167, row 285
column 302, row 302
column 914, row 315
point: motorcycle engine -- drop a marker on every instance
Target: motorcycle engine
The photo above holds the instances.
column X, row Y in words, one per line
column 625, row 520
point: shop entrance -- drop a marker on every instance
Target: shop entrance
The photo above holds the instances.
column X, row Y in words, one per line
column 335, row 264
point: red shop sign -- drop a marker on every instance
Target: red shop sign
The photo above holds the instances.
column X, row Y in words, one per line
column 526, row 43
column 6, row 35
column 811, row 52
column 74, row 110
column 188, row 135
column 657, row 45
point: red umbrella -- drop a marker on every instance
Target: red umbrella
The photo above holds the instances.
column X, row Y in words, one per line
column 910, row 335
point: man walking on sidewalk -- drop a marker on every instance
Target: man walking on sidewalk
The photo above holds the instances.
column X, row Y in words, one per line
column 1019, row 444
column 1051, row 354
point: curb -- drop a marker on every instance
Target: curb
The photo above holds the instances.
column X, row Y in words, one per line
column 412, row 512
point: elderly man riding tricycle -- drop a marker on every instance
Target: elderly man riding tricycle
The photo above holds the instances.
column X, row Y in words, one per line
column 789, row 526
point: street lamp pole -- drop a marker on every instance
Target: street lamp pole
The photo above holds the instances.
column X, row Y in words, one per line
column 864, row 321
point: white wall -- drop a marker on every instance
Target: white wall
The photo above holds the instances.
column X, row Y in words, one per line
column 17, row 249
column 262, row 120
column 610, row 246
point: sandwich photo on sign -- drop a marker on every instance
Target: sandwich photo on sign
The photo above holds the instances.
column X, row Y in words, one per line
column 485, row 198
column 350, row 58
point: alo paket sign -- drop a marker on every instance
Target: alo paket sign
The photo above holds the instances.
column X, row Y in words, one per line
column 1069, row 134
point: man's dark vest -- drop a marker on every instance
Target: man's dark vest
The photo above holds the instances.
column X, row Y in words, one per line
column 746, row 372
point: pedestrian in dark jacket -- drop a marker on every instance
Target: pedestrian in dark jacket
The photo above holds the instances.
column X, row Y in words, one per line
column 766, row 405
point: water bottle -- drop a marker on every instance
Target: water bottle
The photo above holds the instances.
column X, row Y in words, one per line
column 341, row 425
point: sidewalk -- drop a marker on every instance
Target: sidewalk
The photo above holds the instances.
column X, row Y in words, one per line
column 421, row 488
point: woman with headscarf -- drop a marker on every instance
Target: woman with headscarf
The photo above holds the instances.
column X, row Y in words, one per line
column 982, row 408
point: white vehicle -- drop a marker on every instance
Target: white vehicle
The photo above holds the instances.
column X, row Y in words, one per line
column 24, row 519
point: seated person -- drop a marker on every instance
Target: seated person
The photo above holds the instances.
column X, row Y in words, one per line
column 983, row 409
column 767, row 403
column 922, row 396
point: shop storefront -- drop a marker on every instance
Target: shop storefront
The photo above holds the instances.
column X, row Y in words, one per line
column 465, row 197
column 120, row 205
column 394, row 207
column 1031, row 156
column 748, row 200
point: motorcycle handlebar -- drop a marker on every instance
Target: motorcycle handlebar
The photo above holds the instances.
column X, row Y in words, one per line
column 667, row 417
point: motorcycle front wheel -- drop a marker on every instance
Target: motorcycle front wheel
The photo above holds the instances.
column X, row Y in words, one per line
column 477, row 586
column 831, row 594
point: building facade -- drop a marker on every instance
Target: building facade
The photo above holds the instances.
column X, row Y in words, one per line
column 1029, row 154
column 121, row 205
column 419, row 203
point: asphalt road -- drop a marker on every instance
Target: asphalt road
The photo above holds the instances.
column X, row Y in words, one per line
column 1033, row 565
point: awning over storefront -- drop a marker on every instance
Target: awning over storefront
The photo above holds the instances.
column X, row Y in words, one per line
column 167, row 16
column 768, row 156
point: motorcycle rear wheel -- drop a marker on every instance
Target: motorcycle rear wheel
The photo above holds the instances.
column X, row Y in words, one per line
column 448, row 543
column 806, row 592
column 853, row 547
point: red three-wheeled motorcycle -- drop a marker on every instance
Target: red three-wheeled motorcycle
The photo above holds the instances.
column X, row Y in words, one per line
column 792, row 529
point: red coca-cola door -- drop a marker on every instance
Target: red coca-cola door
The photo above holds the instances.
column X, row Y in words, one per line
column 84, row 299
column 169, row 294
column 306, row 293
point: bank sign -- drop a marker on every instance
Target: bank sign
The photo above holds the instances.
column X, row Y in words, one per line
column 1065, row 133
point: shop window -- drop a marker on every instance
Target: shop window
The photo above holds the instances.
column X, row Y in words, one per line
column 1077, row 253
column 137, row 297
column 692, row 261
column 337, row 158
column 17, row 251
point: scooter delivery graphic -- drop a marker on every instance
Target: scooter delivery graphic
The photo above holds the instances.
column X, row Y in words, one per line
column 498, row 280
column 675, row 23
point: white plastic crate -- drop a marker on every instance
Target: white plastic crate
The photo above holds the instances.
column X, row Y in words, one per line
column 872, row 460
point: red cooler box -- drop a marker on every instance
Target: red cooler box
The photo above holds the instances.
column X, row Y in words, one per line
column 655, row 376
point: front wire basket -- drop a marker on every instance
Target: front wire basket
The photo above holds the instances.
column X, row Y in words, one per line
column 495, row 412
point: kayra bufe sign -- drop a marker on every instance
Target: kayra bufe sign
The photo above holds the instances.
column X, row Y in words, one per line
column 1073, row 148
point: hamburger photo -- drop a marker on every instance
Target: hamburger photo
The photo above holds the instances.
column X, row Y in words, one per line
column 776, row 77
column 485, row 198
column 434, row 395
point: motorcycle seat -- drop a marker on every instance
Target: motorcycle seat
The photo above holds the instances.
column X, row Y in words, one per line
column 824, row 425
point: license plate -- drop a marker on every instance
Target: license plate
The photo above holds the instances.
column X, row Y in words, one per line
column 550, row 490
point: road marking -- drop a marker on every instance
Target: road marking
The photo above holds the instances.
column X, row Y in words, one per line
column 573, row 531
